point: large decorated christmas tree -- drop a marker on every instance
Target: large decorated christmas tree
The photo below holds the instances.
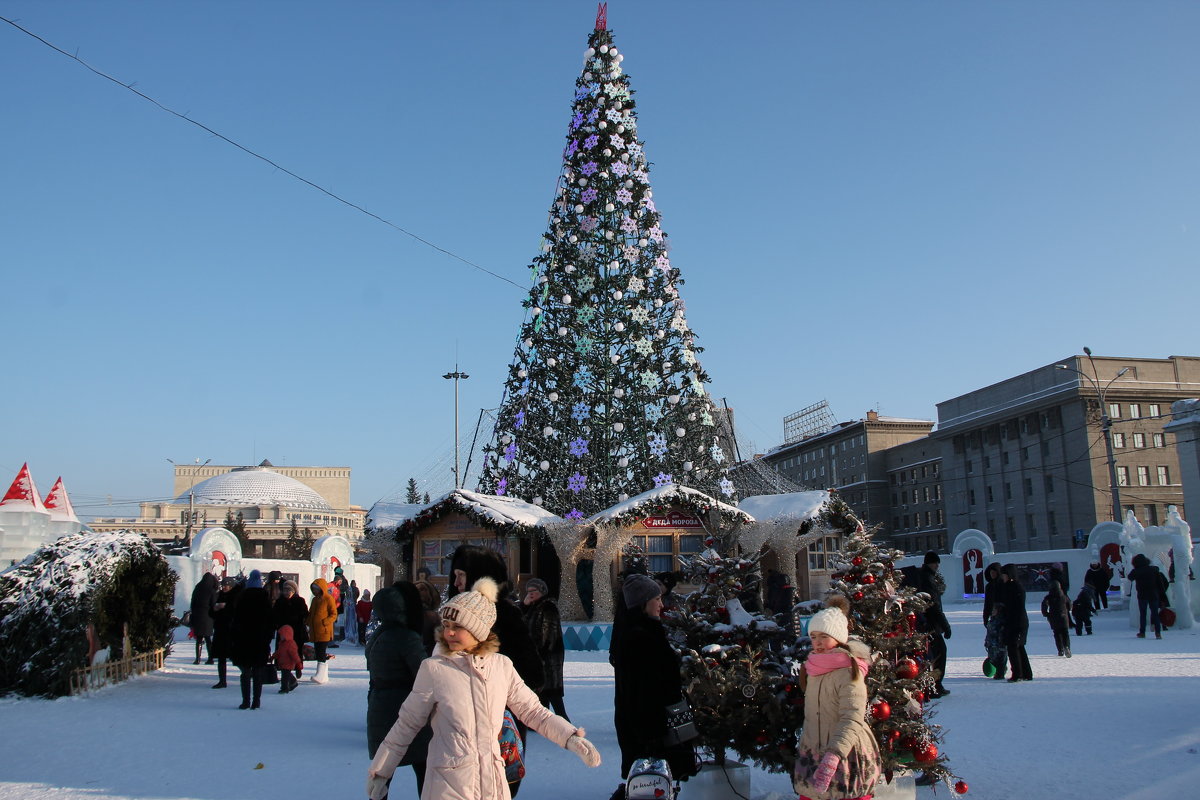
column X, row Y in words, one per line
column 605, row 397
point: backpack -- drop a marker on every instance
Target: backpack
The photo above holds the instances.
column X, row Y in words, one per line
column 512, row 749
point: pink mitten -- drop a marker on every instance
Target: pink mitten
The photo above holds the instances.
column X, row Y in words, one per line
column 824, row 774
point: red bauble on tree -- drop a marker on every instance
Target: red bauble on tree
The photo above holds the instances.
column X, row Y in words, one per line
column 961, row 787
column 907, row 669
column 857, row 561
column 881, row 710
column 868, row 579
column 925, row 752
column 857, row 596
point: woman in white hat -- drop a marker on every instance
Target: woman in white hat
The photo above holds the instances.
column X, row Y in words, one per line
column 837, row 757
column 464, row 687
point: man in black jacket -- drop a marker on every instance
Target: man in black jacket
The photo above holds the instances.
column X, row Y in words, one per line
column 932, row 621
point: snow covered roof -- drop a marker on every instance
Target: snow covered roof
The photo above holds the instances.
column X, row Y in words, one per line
column 23, row 494
column 255, row 486
column 503, row 514
column 657, row 498
column 59, row 504
column 797, row 505
column 389, row 515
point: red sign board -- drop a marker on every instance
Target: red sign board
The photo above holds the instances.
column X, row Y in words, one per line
column 674, row 519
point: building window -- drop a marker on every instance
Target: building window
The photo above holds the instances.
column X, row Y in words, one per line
column 1024, row 453
column 1051, row 523
column 928, row 518
column 1004, row 458
column 1029, row 487
column 1154, row 410
column 1139, row 440
column 896, row 523
column 1157, row 440
column 1143, row 474
column 1135, row 410
column 970, row 466
column 1118, row 439
column 990, row 495
column 937, row 491
column 1114, row 410
column 1010, row 528
column 662, row 552
column 1008, row 491
column 1164, row 476
column 1122, row 476
column 925, row 471
column 971, row 496
column 935, row 470
column 1048, row 482
column 987, row 462
column 906, row 521
column 925, row 494
column 1031, row 522
column 939, row 517
column 1045, row 449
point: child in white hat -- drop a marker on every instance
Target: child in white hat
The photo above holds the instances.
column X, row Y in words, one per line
column 468, row 684
column 837, row 757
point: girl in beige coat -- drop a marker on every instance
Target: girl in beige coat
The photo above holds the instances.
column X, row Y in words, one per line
column 838, row 756
column 465, row 687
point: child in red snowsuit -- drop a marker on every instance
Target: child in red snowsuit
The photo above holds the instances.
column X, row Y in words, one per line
column 287, row 658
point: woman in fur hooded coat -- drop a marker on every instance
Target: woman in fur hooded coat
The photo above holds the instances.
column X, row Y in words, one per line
column 838, row 756
column 463, row 690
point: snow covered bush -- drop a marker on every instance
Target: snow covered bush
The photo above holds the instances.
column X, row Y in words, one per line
column 108, row 580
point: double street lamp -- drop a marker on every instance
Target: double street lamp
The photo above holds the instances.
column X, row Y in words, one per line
column 456, row 376
column 196, row 467
column 1105, row 424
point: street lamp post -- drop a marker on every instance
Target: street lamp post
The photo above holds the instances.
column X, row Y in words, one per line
column 196, row 467
column 1105, row 425
column 456, row 376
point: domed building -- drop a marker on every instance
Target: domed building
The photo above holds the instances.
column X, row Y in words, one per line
column 267, row 498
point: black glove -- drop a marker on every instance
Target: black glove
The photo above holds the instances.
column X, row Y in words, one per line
column 947, row 632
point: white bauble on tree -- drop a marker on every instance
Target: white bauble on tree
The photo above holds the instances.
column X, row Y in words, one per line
column 553, row 397
column 545, row 465
column 547, row 431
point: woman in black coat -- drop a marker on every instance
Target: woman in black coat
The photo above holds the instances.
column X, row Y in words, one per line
column 394, row 654
column 545, row 629
column 201, row 622
column 253, row 631
column 470, row 563
column 1016, row 624
column 647, row 680
column 290, row 609
column 222, row 614
column 1056, row 608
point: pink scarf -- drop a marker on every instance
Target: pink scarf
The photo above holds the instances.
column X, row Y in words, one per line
column 820, row 663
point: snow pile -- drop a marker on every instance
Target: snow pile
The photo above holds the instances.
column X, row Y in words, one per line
column 504, row 514
column 662, row 498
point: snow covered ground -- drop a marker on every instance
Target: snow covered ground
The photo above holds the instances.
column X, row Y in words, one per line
column 1119, row 720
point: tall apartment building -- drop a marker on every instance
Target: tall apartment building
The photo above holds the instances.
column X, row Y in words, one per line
column 914, row 475
column 1025, row 460
column 851, row 458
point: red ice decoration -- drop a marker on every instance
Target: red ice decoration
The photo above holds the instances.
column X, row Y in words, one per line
column 602, row 16
column 23, row 491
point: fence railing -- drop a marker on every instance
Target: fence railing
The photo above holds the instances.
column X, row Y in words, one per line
column 97, row 675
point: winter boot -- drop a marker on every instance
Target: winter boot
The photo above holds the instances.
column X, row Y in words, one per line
column 220, row 684
column 245, row 682
column 322, row 674
column 1067, row 652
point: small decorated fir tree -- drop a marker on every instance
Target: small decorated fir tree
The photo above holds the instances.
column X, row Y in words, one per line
column 742, row 692
column 883, row 614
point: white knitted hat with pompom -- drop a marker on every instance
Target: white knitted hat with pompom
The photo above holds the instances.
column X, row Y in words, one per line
column 474, row 610
column 830, row 621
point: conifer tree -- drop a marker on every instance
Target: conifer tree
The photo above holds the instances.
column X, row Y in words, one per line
column 605, row 397
column 884, row 614
column 411, row 495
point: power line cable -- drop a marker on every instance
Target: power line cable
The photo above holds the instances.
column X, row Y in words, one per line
column 248, row 151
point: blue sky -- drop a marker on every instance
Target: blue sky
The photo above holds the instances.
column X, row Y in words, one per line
column 881, row 204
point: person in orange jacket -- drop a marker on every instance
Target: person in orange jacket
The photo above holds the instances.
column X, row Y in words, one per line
column 321, row 615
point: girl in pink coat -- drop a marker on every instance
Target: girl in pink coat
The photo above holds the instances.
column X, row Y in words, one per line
column 468, row 683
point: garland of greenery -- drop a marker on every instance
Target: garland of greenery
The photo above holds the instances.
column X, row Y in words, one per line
column 694, row 501
column 108, row 580
column 453, row 503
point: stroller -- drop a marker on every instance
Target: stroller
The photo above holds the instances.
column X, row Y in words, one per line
column 650, row 779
